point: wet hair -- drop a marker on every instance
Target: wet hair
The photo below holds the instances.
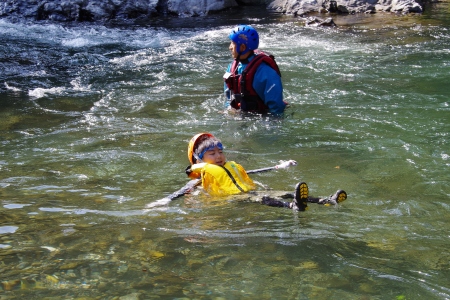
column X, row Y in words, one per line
column 205, row 144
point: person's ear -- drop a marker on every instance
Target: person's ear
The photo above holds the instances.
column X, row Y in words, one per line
column 242, row 48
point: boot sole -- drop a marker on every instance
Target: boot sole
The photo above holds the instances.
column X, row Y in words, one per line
column 301, row 196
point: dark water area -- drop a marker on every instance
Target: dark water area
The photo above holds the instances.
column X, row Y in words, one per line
column 94, row 126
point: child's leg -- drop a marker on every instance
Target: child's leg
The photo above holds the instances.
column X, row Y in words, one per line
column 300, row 199
column 310, row 199
column 335, row 198
column 266, row 200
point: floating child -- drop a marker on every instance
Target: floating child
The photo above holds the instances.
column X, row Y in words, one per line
column 220, row 177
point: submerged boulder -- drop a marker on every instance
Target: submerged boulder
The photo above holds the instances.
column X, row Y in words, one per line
column 314, row 21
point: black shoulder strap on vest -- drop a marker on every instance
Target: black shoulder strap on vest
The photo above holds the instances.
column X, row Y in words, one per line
column 256, row 61
column 250, row 70
column 232, row 179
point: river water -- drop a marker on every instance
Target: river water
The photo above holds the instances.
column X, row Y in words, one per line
column 95, row 122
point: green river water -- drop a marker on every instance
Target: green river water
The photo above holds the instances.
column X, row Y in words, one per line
column 94, row 126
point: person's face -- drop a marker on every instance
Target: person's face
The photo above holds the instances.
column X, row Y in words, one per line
column 234, row 50
column 215, row 157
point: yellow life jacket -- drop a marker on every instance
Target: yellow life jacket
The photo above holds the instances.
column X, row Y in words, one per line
column 227, row 180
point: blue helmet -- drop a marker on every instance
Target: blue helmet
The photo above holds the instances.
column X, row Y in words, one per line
column 247, row 35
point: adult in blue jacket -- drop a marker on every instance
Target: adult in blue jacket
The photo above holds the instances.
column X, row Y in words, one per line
column 253, row 80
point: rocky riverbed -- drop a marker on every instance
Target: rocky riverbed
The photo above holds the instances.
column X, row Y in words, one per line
column 145, row 10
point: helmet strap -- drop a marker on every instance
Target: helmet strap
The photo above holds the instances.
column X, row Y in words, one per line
column 197, row 158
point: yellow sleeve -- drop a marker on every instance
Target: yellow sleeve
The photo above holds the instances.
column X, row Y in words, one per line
column 195, row 171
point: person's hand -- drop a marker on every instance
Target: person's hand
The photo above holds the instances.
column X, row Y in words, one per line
column 160, row 202
column 285, row 164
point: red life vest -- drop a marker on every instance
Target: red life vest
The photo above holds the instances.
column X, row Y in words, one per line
column 243, row 95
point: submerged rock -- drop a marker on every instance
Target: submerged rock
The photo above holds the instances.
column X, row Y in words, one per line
column 314, row 21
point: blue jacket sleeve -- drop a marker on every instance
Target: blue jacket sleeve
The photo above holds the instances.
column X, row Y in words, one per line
column 267, row 84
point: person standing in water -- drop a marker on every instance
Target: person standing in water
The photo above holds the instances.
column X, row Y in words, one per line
column 253, row 79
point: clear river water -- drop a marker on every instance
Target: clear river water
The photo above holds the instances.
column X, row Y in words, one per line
column 94, row 126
